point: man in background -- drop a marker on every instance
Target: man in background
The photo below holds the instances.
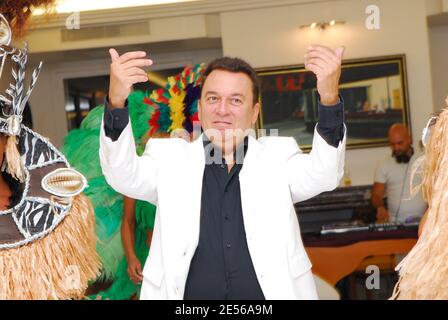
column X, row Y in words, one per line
column 393, row 181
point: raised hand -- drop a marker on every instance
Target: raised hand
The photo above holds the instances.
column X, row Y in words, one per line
column 125, row 71
column 326, row 65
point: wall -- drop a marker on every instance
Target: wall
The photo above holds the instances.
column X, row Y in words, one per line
column 274, row 38
column 438, row 38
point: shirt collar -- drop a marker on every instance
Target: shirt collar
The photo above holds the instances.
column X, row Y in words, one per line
column 209, row 150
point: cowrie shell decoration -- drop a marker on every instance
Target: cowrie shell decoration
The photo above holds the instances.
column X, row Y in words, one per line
column 64, row 182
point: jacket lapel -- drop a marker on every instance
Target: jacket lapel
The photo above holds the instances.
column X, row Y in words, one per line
column 247, row 189
column 197, row 165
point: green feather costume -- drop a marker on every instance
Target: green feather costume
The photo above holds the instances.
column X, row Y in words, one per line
column 80, row 148
column 166, row 109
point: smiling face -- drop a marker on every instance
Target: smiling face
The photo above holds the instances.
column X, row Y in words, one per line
column 227, row 108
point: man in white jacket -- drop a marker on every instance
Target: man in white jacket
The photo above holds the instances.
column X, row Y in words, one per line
column 226, row 226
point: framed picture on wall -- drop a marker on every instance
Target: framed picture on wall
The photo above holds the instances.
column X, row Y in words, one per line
column 374, row 92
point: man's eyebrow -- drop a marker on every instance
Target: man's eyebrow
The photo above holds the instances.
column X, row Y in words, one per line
column 211, row 92
column 236, row 94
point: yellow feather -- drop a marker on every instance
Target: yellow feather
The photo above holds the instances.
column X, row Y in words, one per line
column 176, row 104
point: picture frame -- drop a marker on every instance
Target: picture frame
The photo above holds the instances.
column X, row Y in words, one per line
column 374, row 90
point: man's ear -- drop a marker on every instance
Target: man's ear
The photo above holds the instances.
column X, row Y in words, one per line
column 409, row 139
column 199, row 109
column 256, row 112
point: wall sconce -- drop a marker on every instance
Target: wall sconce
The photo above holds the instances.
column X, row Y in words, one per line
column 322, row 25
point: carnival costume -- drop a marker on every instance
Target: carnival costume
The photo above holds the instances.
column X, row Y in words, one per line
column 47, row 233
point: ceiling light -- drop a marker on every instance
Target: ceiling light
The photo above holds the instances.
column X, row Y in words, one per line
column 321, row 25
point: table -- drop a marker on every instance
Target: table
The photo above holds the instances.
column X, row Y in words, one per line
column 336, row 256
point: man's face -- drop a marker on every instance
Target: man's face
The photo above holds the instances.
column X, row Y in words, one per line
column 399, row 143
column 226, row 106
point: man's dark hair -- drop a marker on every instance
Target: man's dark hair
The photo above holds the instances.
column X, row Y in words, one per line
column 235, row 65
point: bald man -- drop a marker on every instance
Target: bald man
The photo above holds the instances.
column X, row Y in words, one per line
column 392, row 179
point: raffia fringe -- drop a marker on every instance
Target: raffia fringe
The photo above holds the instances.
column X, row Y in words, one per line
column 14, row 163
column 424, row 271
column 57, row 266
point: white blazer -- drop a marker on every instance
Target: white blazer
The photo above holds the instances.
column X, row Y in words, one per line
column 275, row 175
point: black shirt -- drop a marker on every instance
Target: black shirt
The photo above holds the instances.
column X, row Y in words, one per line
column 221, row 267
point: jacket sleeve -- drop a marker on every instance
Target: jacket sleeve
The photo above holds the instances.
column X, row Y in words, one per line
column 316, row 172
column 129, row 174
column 331, row 122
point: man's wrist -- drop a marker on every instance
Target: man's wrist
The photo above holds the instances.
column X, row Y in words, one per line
column 329, row 100
column 115, row 103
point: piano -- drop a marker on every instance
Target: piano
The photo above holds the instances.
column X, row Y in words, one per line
column 345, row 216
column 342, row 205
